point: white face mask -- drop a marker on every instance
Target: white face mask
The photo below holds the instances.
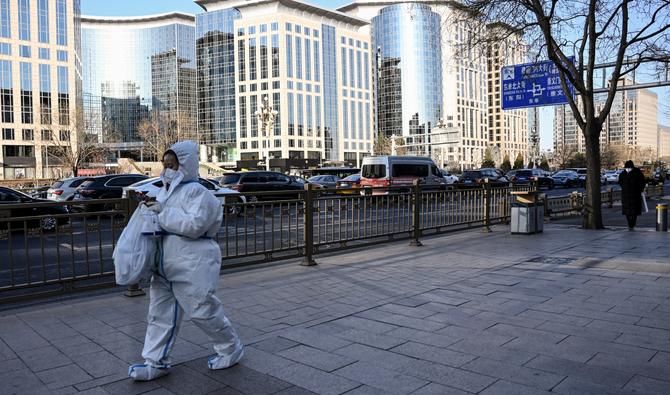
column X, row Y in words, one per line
column 628, row 169
column 169, row 175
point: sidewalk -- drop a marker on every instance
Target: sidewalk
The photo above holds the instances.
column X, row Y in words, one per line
column 571, row 311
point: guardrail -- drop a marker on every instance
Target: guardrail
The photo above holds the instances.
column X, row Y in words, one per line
column 70, row 247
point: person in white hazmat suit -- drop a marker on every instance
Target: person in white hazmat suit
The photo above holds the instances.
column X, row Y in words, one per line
column 187, row 270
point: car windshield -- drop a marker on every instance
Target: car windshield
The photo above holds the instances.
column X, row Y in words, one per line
column 564, row 173
column 57, row 184
column 472, row 174
column 524, row 173
column 87, row 183
column 230, row 179
column 353, row 177
column 147, row 181
column 316, row 178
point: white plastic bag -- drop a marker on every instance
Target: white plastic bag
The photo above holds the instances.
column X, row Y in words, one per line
column 645, row 208
column 135, row 254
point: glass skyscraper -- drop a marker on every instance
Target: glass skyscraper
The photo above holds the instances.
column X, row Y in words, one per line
column 40, row 85
column 136, row 68
column 410, row 68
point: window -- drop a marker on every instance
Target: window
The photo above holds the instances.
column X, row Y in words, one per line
column 308, row 60
column 251, row 30
column 43, row 21
column 373, row 171
column 44, row 53
column 264, row 57
column 61, row 22
column 61, row 56
column 63, row 96
column 6, row 91
column 298, row 29
column 24, row 51
column 64, row 135
column 7, row 134
column 47, row 135
column 122, row 181
column 252, row 59
column 24, row 20
column 241, row 63
column 288, row 27
column 274, row 26
column 5, row 49
column 317, row 64
column 289, row 56
column 344, row 65
column 5, row 28
column 26, row 92
column 27, row 135
column 298, row 57
column 45, row 94
column 275, row 56
column 410, row 170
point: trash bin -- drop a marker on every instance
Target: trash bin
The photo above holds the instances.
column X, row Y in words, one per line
column 527, row 214
column 527, row 218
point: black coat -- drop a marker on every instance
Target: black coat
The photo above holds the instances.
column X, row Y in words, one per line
column 632, row 186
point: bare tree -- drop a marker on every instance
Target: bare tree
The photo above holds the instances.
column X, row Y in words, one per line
column 74, row 148
column 162, row 129
column 562, row 155
column 625, row 33
column 611, row 155
column 384, row 145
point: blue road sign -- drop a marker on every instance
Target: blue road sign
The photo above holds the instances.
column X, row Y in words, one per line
column 532, row 85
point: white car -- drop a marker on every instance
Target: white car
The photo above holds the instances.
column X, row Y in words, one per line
column 64, row 190
column 612, row 176
column 151, row 186
column 449, row 178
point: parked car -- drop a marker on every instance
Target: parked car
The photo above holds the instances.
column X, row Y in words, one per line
column 526, row 176
column 46, row 222
column 448, row 177
column 38, row 192
column 151, row 186
column 263, row 181
column 64, row 190
column 475, row 178
column 612, row 176
column 348, row 185
column 567, row 179
column 325, row 181
column 401, row 171
column 104, row 187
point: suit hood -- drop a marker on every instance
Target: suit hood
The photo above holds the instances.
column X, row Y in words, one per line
column 187, row 155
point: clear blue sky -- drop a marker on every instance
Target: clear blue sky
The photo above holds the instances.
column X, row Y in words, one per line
column 144, row 7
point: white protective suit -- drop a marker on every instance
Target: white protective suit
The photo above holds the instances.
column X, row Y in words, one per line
column 188, row 272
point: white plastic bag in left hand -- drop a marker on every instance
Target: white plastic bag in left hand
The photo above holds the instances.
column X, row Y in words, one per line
column 134, row 255
column 645, row 208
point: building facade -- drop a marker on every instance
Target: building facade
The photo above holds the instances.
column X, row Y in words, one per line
column 663, row 152
column 40, row 84
column 508, row 129
column 136, row 70
column 463, row 97
column 632, row 125
column 312, row 64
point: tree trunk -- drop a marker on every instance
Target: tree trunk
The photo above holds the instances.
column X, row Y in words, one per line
column 592, row 203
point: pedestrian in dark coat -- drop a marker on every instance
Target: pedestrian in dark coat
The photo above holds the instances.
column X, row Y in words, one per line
column 632, row 185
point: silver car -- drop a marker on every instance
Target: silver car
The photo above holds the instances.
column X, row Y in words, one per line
column 64, row 190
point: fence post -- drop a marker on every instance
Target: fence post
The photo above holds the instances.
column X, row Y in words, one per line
column 308, row 226
column 487, row 206
column 131, row 205
column 610, row 197
column 416, row 215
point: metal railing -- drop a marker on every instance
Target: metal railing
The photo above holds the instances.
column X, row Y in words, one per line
column 70, row 247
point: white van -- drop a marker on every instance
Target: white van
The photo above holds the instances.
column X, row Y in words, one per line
column 401, row 171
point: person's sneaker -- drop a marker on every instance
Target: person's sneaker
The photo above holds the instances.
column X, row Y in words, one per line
column 144, row 372
column 217, row 362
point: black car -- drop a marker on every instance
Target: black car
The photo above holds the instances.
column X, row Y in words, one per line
column 567, row 179
column 262, row 181
column 526, row 176
column 475, row 178
column 325, row 181
column 46, row 222
column 105, row 187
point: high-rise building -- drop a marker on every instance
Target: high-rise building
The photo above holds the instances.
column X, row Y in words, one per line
column 313, row 66
column 40, row 85
column 632, row 123
column 137, row 68
column 440, row 33
column 663, row 152
column 508, row 129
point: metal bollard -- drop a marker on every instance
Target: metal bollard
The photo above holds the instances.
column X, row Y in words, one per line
column 662, row 217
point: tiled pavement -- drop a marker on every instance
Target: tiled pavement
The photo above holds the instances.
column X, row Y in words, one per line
column 570, row 311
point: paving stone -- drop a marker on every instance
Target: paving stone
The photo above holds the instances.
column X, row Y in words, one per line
column 365, row 324
column 314, row 339
column 11, row 365
column 580, row 331
column 428, row 338
column 244, row 380
column 382, row 358
column 93, row 391
column 619, row 348
column 101, row 381
column 555, row 317
column 525, row 322
column 6, row 353
column 516, row 374
column 415, row 312
column 262, row 361
column 643, row 341
column 316, row 358
column 275, row 344
column 315, row 380
column 129, row 386
column 629, row 329
column 370, row 339
column 648, row 385
column 434, row 354
column 572, row 385
column 401, row 320
column 44, row 358
column 579, row 370
column 295, row 390
column 516, row 331
column 21, row 382
column 100, row 364
column 651, row 369
column 446, row 375
column 438, row 389
column 386, row 380
column 506, row 387
column 183, row 380
column 63, row 376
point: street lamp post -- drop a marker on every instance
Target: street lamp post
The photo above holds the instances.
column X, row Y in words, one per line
column 266, row 120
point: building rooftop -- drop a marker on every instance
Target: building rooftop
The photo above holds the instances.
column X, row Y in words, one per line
column 169, row 17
